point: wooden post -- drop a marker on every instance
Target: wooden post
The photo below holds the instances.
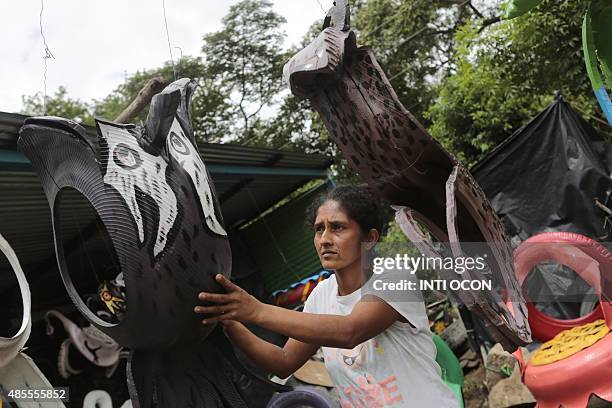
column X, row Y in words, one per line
column 153, row 87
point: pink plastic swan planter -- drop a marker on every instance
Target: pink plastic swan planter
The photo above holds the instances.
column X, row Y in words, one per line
column 576, row 361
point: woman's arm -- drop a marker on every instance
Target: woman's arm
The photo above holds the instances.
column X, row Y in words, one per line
column 368, row 318
column 281, row 362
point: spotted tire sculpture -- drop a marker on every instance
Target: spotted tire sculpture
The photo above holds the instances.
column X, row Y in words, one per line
column 384, row 143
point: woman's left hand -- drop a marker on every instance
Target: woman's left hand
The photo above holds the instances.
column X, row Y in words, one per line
column 235, row 305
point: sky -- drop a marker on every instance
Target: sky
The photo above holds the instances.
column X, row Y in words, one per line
column 97, row 43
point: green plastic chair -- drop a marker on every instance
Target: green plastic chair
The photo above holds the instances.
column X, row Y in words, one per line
column 452, row 373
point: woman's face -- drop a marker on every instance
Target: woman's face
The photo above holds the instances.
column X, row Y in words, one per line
column 337, row 237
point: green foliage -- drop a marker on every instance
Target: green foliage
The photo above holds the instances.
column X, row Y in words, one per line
column 394, row 235
column 111, row 106
column 59, row 104
column 211, row 112
column 507, row 74
column 519, row 7
column 414, row 42
column 471, row 80
column 295, row 126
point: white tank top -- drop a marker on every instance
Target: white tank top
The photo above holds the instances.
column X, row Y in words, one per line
column 395, row 369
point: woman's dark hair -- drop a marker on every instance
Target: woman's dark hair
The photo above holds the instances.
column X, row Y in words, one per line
column 358, row 202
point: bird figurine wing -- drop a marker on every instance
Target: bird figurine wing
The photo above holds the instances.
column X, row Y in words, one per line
column 384, row 143
column 155, row 221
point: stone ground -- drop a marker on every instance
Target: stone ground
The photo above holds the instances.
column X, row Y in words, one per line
column 475, row 393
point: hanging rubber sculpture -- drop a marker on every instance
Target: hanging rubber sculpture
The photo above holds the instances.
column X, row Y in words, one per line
column 153, row 195
column 91, row 343
column 11, row 346
column 401, row 162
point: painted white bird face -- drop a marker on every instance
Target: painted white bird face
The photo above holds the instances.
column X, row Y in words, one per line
column 185, row 153
column 159, row 221
column 133, row 171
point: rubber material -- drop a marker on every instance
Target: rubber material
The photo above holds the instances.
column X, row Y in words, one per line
column 10, row 347
column 403, row 164
column 529, row 254
column 304, row 397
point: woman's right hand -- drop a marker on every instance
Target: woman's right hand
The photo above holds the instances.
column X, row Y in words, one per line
column 235, row 305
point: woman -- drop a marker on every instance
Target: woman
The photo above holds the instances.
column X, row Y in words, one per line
column 378, row 353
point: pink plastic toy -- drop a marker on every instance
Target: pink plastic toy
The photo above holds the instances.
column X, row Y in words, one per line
column 570, row 381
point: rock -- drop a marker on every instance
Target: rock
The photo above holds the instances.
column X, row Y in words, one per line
column 499, row 365
column 469, row 360
column 510, row 392
column 454, row 335
column 475, row 392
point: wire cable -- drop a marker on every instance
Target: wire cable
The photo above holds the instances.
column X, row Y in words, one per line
column 47, row 55
column 168, row 38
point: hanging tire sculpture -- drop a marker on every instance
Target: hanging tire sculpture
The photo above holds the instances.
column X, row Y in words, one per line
column 300, row 397
column 560, row 247
column 10, row 346
column 385, row 144
column 162, row 231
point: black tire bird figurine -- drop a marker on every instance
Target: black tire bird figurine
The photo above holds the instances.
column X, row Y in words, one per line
column 154, row 197
column 401, row 162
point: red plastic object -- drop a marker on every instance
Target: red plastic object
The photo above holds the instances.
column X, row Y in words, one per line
column 544, row 327
column 532, row 252
column 571, row 381
column 298, row 292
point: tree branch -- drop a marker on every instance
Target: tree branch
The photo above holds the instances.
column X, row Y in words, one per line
column 243, row 96
column 475, row 10
column 153, row 87
column 488, row 22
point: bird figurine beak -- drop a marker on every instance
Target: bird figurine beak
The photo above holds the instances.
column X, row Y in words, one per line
column 339, row 16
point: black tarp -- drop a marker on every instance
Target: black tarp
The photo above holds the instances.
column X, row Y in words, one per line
column 546, row 177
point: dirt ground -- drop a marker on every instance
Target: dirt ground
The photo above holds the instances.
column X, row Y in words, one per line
column 475, row 391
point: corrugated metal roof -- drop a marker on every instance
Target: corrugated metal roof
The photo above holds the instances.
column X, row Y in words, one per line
column 213, row 153
column 247, row 180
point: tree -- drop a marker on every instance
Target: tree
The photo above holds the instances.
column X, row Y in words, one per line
column 58, row 105
column 295, row 125
column 113, row 104
column 414, row 42
column 243, row 62
column 507, row 74
column 211, row 112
